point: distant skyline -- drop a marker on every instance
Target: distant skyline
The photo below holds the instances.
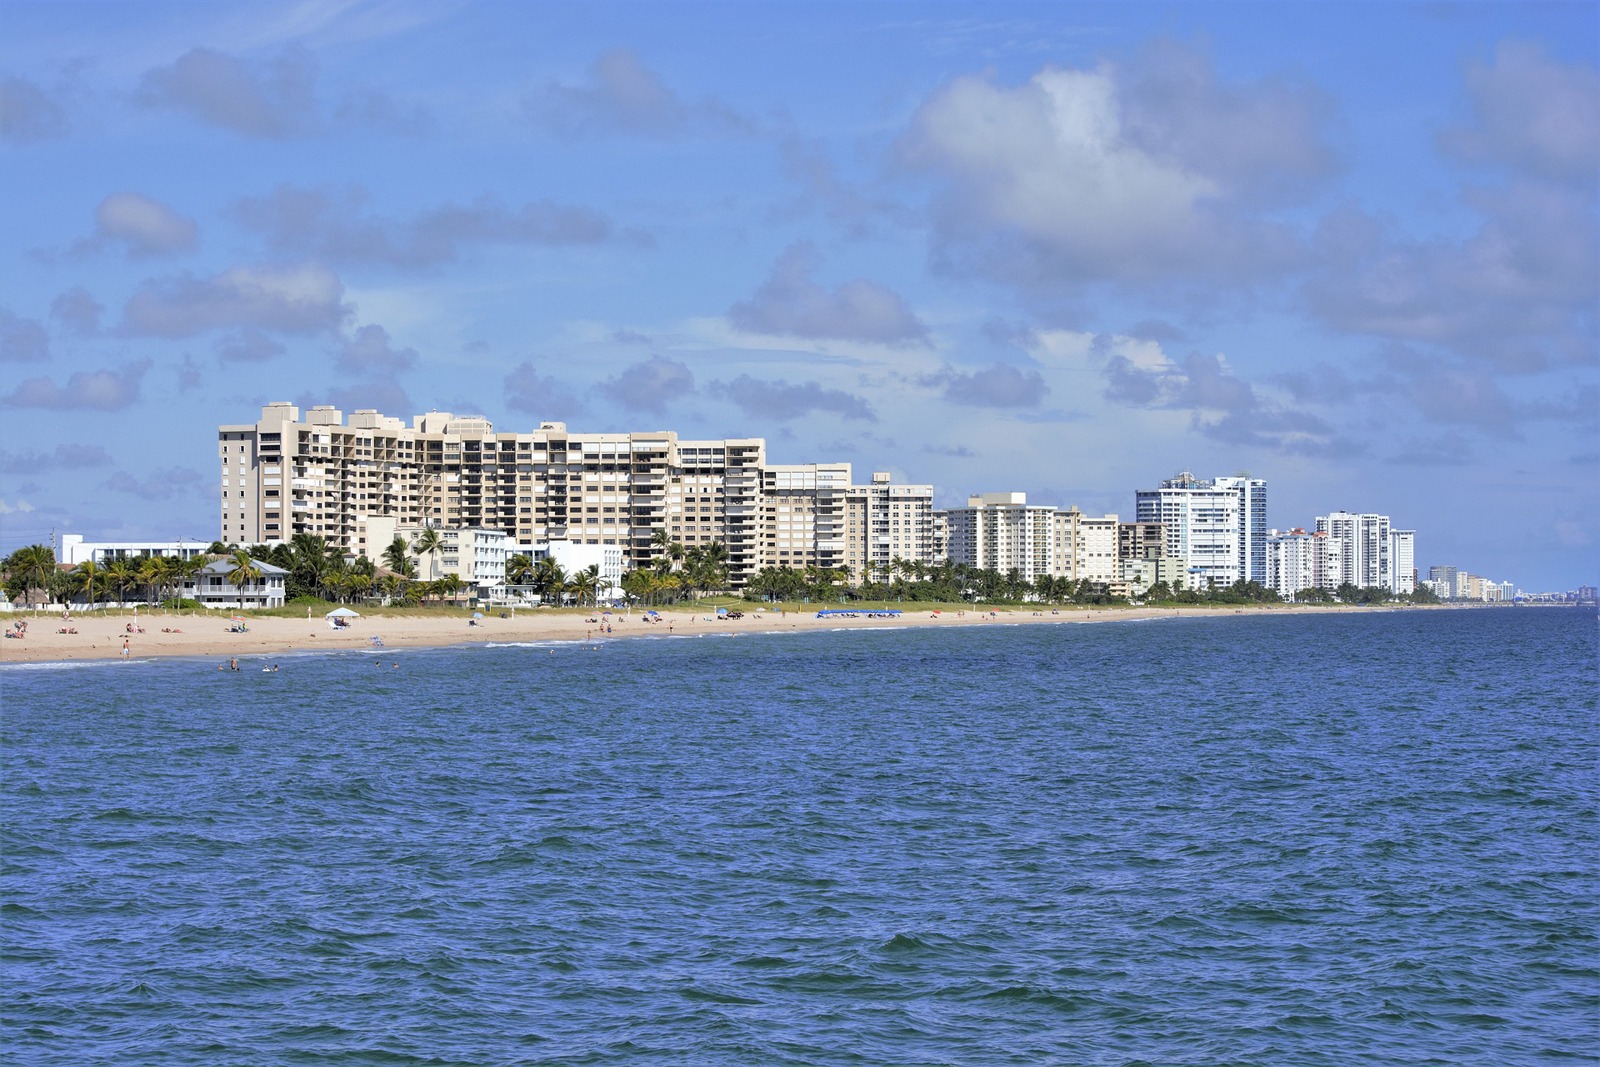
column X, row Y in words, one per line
column 1069, row 250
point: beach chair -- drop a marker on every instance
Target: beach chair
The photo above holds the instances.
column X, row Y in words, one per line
column 376, row 641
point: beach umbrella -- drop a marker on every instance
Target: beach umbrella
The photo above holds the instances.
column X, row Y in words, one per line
column 477, row 614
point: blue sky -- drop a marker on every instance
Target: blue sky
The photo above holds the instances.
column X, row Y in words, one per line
column 1068, row 249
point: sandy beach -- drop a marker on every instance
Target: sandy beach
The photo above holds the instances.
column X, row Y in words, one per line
column 103, row 635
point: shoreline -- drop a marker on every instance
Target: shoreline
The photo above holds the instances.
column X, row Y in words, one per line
column 102, row 637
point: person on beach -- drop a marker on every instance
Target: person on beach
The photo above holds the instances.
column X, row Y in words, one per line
column 125, row 650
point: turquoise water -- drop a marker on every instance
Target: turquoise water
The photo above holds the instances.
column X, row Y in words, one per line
column 1297, row 840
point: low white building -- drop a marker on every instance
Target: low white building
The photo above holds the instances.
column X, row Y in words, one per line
column 212, row 588
column 75, row 550
column 474, row 554
column 574, row 557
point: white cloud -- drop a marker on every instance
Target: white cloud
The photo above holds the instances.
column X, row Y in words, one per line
column 1533, row 114
column 790, row 302
column 330, row 225
column 143, row 226
column 1112, row 174
column 104, row 390
column 623, row 96
column 301, row 299
column 22, row 340
column 275, row 100
column 650, row 384
column 28, row 113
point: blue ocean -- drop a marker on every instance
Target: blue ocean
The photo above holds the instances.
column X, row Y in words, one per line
column 1324, row 839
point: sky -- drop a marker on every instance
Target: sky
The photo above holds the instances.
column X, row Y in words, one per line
column 1068, row 249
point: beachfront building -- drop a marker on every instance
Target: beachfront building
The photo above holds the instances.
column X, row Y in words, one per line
column 318, row 473
column 889, row 525
column 574, row 556
column 1003, row 532
column 1141, row 540
column 476, row 555
column 75, row 550
column 286, row 474
column 803, row 514
column 212, row 587
column 1402, row 561
column 1374, row 553
column 1217, row 526
column 1138, row 575
column 1298, row 560
column 1085, row 547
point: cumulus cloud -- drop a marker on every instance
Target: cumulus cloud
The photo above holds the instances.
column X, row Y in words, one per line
column 78, row 311
column 28, row 114
column 247, row 346
column 1265, row 142
column 782, row 401
column 1197, row 381
column 62, row 458
column 999, row 385
column 372, row 351
column 650, row 384
column 276, row 99
column 1114, row 174
column 1532, row 113
column 623, row 96
column 161, row 484
column 92, row 390
column 528, row 390
column 1518, row 293
column 790, row 303
column 143, row 227
column 22, row 340
column 330, row 225
column 302, row 299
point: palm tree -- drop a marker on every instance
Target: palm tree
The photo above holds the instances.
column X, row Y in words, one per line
column 519, row 568
column 397, row 557
column 154, row 574
column 450, row 585
column 428, row 543
column 669, row 552
column 245, row 571
column 585, row 584
column 547, row 577
column 309, row 554
column 93, row 578
column 121, row 574
column 31, row 568
column 714, row 561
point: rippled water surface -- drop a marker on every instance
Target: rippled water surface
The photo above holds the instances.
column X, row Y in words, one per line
column 1296, row 840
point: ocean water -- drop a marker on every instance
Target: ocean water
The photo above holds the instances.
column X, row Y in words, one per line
column 1329, row 839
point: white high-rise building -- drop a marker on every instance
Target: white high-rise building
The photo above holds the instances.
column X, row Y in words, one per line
column 1297, row 561
column 1403, row 561
column 1003, row 532
column 1217, row 526
column 1375, row 554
